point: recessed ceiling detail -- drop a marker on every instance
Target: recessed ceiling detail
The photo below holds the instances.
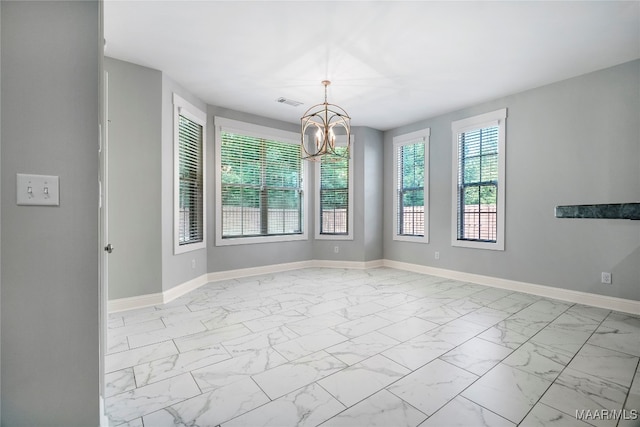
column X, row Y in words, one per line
column 396, row 64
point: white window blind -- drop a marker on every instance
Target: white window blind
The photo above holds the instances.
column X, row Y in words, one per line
column 334, row 194
column 191, row 181
column 478, row 184
column 478, row 211
column 410, row 179
column 411, row 184
column 261, row 186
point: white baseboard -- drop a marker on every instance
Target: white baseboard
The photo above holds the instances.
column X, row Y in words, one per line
column 184, row 288
column 603, row 301
column 130, row 303
column 356, row 265
column 142, row 301
column 611, row 303
column 104, row 420
column 255, row 271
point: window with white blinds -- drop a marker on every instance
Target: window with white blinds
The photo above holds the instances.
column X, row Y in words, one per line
column 411, row 182
column 189, row 177
column 479, row 181
column 334, row 199
column 260, row 185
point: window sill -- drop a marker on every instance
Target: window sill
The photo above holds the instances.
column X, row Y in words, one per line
column 497, row 246
column 232, row 241
column 414, row 239
column 334, row 237
column 183, row 249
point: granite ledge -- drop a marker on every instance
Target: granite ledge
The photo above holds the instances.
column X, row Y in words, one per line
column 604, row 211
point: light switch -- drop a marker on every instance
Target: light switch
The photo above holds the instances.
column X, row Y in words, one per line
column 42, row 190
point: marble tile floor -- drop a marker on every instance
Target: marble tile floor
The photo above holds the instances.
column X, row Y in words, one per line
column 376, row 347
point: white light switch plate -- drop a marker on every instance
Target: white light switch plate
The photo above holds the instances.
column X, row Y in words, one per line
column 41, row 190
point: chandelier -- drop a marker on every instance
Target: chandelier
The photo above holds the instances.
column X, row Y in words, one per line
column 325, row 119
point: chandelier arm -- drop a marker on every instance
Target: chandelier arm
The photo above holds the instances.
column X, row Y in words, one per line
column 324, row 118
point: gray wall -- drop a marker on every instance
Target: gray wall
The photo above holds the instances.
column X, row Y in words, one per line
column 50, row 114
column 366, row 151
column 575, row 141
column 0, row 220
column 135, row 143
column 572, row 142
column 221, row 258
column 141, row 183
column 136, row 126
column 372, row 193
column 176, row 269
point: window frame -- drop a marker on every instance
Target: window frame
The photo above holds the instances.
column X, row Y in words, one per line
column 417, row 137
column 181, row 107
column 490, row 119
column 221, row 125
column 341, row 140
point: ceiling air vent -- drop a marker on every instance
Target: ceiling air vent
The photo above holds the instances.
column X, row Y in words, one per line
column 291, row 102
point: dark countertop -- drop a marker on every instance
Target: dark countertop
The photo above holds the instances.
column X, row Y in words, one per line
column 605, row 211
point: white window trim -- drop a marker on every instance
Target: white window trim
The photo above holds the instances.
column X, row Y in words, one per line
column 257, row 131
column 399, row 141
column 493, row 118
column 341, row 140
column 188, row 110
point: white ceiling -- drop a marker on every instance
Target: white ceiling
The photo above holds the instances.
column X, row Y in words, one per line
column 391, row 63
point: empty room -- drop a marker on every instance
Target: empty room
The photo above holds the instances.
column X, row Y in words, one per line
column 320, row 213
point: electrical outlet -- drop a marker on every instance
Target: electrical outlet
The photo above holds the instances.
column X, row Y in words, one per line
column 606, row 278
column 193, row 263
column 336, row 249
column 437, row 255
